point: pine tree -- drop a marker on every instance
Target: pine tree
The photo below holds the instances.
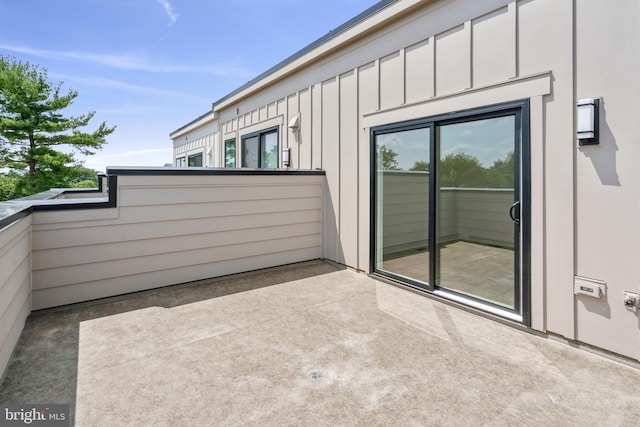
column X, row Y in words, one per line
column 32, row 124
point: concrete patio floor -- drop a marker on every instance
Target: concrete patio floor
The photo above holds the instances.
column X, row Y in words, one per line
column 307, row 344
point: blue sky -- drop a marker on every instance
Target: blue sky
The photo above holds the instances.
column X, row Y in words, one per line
column 150, row 66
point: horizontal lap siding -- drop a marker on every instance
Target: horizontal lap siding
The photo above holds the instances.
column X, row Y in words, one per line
column 405, row 202
column 177, row 229
column 15, row 285
column 478, row 216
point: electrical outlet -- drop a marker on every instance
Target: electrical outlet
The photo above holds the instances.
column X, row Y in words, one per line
column 631, row 300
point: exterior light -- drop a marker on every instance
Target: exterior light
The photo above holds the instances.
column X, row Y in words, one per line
column 588, row 121
column 294, row 123
column 286, row 157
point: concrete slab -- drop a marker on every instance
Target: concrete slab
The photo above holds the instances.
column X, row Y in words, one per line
column 308, row 344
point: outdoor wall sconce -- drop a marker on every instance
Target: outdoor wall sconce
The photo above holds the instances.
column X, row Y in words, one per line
column 588, row 121
column 286, row 157
column 294, row 123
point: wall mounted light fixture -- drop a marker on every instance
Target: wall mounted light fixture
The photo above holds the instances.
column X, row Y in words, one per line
column 294, row 123
column 286, row 157
column 588, row 121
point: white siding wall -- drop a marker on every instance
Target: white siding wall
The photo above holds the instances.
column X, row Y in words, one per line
column 608, row 175
column 203, row 139
column 175, row 229
column 15, row 285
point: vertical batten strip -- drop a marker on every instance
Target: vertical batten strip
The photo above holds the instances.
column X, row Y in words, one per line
column 468, row 29
column 512, row 10
column 432, row 43
column 403, row 62
column 378, row 74
column 432, row 52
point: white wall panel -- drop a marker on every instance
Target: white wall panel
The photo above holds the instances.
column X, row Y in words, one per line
column 15, row 285
column 348, row 172
column 331, row 164
column 419, row 71
column 305, row 131
column 494, row 47
column 391, row 80
column 453, row 53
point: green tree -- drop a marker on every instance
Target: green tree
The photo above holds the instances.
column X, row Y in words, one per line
column 387, row 159
column 502, row 173
column 461, row 170
column 32, row 124
column 420, row 165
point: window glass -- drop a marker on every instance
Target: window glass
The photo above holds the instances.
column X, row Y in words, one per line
column 230, row 153
column 195, row 160
column 250, row 152
column 260, row 150
column 402, row 203
column 269, row 151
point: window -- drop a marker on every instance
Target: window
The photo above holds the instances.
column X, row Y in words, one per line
column 260, row 150
column 181, row 162
column 230, row 153
column 195, row 160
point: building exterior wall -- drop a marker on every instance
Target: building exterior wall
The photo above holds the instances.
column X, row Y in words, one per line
column 15, row 285
column 437, row 57
column 607, row 176
column 200, row 140
column 170, row 229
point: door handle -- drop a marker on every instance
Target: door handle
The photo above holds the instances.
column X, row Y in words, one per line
column 512, row 210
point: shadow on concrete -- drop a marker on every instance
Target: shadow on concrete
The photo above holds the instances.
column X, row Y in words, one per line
column 44, row 365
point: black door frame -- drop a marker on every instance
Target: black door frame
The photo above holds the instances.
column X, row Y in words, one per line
column 522, row 230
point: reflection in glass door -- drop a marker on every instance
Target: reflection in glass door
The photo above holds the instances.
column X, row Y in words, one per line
column 402, row 203
column 476, row 188
column 447, row 206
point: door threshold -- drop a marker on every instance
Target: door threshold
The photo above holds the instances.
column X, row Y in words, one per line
column 479, row 306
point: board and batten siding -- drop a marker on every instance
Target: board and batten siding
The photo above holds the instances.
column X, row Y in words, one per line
column 175, row 229
column 433, row 57
column 15, row 285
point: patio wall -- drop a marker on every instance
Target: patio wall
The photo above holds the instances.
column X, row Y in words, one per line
column 478, row 215
column 15, row 284
column 172, row 228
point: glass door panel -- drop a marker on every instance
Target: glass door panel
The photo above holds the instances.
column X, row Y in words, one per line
column 402, row 203
column 269, row 146
column 250, row 152
column 476, row 189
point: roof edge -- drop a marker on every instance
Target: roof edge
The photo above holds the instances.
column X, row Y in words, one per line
column 178, row 132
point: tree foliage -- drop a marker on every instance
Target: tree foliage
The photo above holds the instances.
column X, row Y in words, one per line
column 32, row 124
column 460, row 170
column 387, row 158
column 463, row 170
column 421, row 165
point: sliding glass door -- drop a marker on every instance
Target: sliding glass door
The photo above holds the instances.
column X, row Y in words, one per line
column 448, row 206
column 402, row 203
column 476, row 238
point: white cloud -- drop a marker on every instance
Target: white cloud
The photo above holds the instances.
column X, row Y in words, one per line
column 144, row 157
column 125, row 87
column 127, row 61
column 169, row 9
